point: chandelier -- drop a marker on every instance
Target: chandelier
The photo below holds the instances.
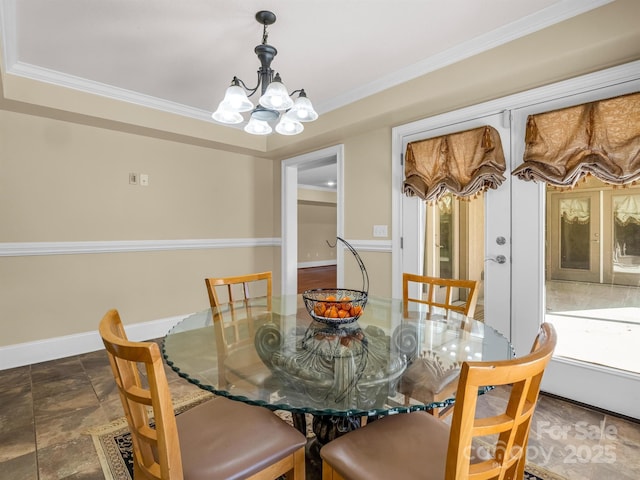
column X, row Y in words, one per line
column 275, row 102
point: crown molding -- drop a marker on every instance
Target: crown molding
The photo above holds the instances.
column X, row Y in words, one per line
column 551, row 15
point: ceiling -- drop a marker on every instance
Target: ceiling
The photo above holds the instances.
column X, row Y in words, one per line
column 321, row 175
column 183, row 55
column 179, row 56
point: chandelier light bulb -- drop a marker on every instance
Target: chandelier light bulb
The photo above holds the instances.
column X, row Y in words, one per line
column 225, row 115
column 276, row 96
column 302, row 110
column 237, row 100
column 287, row 126
column 258, row 127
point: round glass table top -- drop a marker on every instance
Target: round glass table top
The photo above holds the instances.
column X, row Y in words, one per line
column 270, row 352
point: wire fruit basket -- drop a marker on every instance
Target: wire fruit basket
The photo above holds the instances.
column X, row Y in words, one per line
column 338, row 305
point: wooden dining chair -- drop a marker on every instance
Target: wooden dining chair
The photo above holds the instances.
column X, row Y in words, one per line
column 434, row 296
column 236, row 321
column 218, row 439
column 225, row 290
column 420, row 446
column 415, row 384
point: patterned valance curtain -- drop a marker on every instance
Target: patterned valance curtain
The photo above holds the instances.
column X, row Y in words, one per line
column 599, row 138
column 463, row 163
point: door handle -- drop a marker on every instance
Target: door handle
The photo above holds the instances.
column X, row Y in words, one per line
column 498, row 259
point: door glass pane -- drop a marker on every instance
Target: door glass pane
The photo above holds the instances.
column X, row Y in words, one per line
column 597, row 317
column 445, row 227
column 574, row 233
column 454, row 243
column 626, row 234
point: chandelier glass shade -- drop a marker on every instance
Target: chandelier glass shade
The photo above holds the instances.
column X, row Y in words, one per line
column 275, row 105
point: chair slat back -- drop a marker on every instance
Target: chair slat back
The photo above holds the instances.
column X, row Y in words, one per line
column 509, row 430
column 237, row 330
column 156, row 450
column 434, row 294
column 224, row 290
column 233, row 316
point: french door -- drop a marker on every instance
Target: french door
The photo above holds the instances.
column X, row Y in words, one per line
column 452, row 238
column 574, row 265
column 570, row 258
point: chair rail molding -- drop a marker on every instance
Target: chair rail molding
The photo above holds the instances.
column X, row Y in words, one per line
column 371, row 245
column 23, row 249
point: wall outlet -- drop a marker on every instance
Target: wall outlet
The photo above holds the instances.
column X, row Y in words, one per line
column 380, row 231
column 144, row 179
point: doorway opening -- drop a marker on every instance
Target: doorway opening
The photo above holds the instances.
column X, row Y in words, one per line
column 295, row 228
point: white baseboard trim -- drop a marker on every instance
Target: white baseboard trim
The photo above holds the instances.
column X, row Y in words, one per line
column 319, row 263
column 38, row 351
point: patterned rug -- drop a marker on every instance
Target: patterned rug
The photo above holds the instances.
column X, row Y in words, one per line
column 113, row 445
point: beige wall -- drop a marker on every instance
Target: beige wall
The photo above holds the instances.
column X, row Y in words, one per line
column 65, row 160
column 317, row 220
column 65, row 182
column 316, row 225
column 57, row 295
column 62, row 181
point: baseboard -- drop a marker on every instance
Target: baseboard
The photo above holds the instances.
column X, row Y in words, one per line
column 319, row 263
column 48, row 349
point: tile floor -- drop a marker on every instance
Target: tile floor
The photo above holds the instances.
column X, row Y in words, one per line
column 47, row 408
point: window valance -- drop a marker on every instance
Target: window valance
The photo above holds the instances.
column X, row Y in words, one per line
column 599, row 138
column 463, row 163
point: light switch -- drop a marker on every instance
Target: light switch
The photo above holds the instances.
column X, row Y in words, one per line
column 144, row 179
column 380, row 231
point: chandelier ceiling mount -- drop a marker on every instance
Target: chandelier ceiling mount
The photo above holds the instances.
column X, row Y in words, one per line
column 275, row 102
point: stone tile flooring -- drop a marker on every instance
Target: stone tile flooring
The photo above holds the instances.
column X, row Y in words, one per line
column 47, row 408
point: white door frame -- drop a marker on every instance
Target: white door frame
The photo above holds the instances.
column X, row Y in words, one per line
column 289, row 213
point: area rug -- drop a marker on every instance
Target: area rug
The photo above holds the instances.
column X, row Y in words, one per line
column 113, row 445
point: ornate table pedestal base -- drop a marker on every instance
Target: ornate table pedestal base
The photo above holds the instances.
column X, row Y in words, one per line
column 325, row 428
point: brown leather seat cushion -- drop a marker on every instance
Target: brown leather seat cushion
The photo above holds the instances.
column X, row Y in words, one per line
column 215, row 427
column 417, row 441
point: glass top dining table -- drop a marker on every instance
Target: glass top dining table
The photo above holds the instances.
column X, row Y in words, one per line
column 271, row 352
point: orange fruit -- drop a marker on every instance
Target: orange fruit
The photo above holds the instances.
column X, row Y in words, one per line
column 345, row 306
column 355, row 310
